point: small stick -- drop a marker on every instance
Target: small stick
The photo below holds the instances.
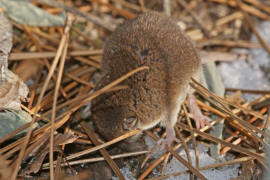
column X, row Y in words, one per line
column 228, row 43
column 87, row 151
column 260, row 5
column 242, row 150
column 89, row 17
column 223, row 56
column 226, row 149
column 184, row 145
column 191, row 168
column 141, row 2
column 158, row 161
column 253, row 28
column 29, row 132
column 104, row 153
column 86, row 61
column 128, row 5
column 55, row 97
column 227, row 163
column 229, row 18
column 37, row 55
column 167, row 7
column 250, row 9
column 97, row 159
column 251, row 91
column 165, row 164
column 121, row 12
column 75, row 78
column 195, row 17
column 193, row 137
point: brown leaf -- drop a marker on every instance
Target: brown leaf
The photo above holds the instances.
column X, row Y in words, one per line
column 12, row 91
column 28, row 69
column 43, row 150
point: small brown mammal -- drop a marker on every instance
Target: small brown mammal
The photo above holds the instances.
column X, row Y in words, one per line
column 154, row 96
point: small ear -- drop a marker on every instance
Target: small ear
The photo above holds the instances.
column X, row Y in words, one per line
column 130, row 123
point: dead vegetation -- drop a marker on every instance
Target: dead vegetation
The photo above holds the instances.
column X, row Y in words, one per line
column 62, row 62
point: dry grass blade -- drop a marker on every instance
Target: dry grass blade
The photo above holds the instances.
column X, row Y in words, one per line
column 234, row 147
column 106, row 88
column 5, row 168
column 101, row 91
column 87, row 61
column 260, row 5
column 104, row 153
column 246, row 110
column 223, row 56
column 75, row 11
column 36, row 134
column 58, row 82
column 39, row 55
column 211, row 109
column 190, row 167
column 141, row 2
column 251, row 25
column 217, row 165
column 42, row 147
column 195, row 17
column 165, row 163
column 229, row 18
column 152, row 150
column 121, row 12
column 79, row 99
column 217, row 26
column 193, row 136
column 205, row 93
column 58, row 170
column 266, row 125
column 90, row 97
column 158, row 161
column 249, row 91
column 228, row 43
column 250, row 9
column 79, row 80
column 80, row 33
column 21, row 154
column 46, row 62
column 180, row 136
column 225, row 149
column 87, row 151
column 128, row 5
column 91, row 160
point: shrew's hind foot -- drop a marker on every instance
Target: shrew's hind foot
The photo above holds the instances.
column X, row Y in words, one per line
column 170, row 138
column 200, row 119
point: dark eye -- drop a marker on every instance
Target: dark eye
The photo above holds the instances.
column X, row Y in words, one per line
column 130, row 123
column 144, row 53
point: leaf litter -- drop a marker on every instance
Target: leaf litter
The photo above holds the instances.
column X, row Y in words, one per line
column 244, row 132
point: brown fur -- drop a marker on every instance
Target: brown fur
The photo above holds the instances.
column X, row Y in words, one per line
column 152, row 39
